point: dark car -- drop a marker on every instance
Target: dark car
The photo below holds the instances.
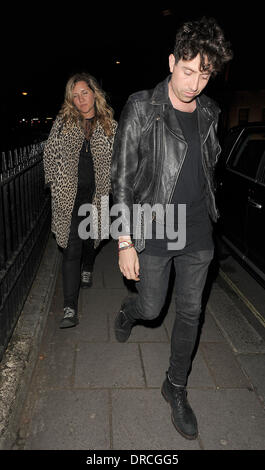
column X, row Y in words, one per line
column 240, row 177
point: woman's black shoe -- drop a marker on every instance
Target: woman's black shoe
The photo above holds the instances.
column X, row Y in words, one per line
column 86, row 279
column 69, row 319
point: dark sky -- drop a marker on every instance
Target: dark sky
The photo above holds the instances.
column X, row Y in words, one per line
column 41, row 47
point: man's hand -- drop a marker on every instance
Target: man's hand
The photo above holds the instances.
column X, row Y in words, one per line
column 129, row 264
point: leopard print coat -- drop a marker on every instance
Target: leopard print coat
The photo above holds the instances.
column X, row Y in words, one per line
column 61, row 159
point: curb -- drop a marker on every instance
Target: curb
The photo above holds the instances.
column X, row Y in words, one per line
column 21, row 355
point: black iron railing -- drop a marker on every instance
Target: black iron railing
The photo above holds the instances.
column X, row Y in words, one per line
column 24, row 230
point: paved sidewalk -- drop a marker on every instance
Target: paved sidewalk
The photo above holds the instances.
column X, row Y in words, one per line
column 90, row 392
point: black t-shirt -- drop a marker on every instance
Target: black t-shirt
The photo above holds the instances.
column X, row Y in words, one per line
column 189, row 190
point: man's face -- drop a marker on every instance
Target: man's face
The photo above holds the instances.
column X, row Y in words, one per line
column 187, row 81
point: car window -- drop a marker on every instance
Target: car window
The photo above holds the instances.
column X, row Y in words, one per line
column 262, row 175
column 248, row 153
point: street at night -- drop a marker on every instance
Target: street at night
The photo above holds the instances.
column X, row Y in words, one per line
column 83, row 389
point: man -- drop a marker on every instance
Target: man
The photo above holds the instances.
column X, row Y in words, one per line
column 164, row 153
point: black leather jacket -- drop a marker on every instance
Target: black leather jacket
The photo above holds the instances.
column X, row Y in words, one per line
column 149, row 150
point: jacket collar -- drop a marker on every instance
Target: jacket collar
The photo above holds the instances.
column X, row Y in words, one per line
column 206, row 106
column 160, row 93
column 207, row 109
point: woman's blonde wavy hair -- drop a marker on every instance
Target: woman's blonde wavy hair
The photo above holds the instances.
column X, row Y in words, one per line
column 103, row 112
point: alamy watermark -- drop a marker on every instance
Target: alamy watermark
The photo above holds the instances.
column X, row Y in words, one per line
column 139, row 222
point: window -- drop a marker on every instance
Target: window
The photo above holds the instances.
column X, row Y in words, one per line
column 248, row 153
column 243, row 115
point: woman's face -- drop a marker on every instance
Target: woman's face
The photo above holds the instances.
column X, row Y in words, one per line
column 84, row 99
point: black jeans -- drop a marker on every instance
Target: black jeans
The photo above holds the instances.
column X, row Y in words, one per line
column 191, row 272
column 78, row 254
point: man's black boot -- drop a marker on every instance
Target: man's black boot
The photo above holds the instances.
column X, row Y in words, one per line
column 122, row 327
column 182, row 415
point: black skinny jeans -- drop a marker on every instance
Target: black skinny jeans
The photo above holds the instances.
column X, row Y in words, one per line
column 191, row 272
column 78, row 254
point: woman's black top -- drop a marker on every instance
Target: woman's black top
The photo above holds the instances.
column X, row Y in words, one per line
column 86, row 176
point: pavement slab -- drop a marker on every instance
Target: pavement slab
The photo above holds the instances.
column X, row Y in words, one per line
column 229, row 419
column 108, row 365
column 141, row 420
column 70, row 420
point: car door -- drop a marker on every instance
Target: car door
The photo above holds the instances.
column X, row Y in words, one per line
column 237, row 185
column 255, row 234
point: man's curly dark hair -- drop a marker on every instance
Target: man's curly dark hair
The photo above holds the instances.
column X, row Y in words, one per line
column 204, row 37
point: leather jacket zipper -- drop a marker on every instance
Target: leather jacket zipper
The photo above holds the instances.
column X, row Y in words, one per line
column 180, row 166
column 179, row 170
column 205, row 172
column 177, row 177
column 158, row 147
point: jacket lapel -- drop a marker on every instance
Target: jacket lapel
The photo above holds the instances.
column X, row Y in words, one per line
column 206, row 116
column 160, row 98
column 206, row 113
column 171, row 122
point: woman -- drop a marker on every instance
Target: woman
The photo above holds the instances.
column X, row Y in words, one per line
column 77, row 158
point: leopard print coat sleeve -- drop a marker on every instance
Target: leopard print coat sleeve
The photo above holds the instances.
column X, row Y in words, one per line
column 61, row 158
